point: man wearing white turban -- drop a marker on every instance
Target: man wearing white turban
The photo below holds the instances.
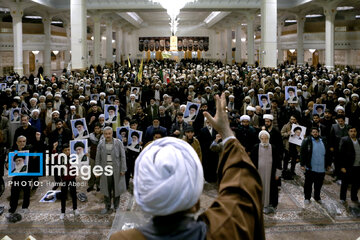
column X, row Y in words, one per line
column 265, row 158
column 168, row 182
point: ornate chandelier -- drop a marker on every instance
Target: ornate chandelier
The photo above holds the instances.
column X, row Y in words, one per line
column 173, row 9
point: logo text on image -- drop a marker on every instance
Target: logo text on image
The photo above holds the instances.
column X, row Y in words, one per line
column 26, row 154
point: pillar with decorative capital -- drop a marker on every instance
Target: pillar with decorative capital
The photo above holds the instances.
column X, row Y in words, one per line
column 228, row 37
column 238, row 44
column 330, row 13
column 97, row 39
column 109, row 38
column 119, row 45
column 300, row 39
column 250, row 38
column 16, row 15
column 268, row 33
column 79, row 53
column 47, row 42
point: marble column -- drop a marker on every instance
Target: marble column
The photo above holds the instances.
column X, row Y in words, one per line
column 97, row 39
column 47, row 43
column 228, row 35
column 79, row 52
column 279, row 45
column 16, row 15
column 268, row 33
column 330, row 13
column 119, row 44
column 26, row 62
column 300, row 39
column 250, row 38
column 67, row 57
column 109, row 38
column 238, row 44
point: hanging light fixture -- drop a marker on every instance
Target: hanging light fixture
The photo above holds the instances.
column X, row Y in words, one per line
column 55, row 52
column 173, row 9
column 292, row 51
column 35, row 52
column 311, row 50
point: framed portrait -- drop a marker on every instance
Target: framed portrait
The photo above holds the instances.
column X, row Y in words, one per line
column 3, row 86
column 191, row 111
column 80, row 148
column 50, row 196
column 134, row 140
column 111, row 99
column 185, row 44
column 162, row 44
column 111, row 112
column 122, row 133
column 97, row 80
column 196, row 44
column 141, row 44
column 146, row 45
column 157, row 44
column 152, row 45
column 319, row 109
column 264, row 101
column 95, row 97
column 19, row 163
column 190, row 44
column 291, row 94
column 297, row 134
column 180, row 45
column 167, row 44
column 79, row 128
column 201, row 44
column 21, row 88
column 15, row 115
column 136, row 91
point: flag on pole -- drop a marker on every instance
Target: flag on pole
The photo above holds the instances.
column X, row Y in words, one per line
column 129, row 63
column 41, row 77
column 140, row 70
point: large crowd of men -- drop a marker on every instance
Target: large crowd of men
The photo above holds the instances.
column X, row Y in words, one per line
column 145, row 102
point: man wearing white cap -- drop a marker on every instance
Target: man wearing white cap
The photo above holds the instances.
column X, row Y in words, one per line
column 265, row 158
column 246, row 134
column 168, row 182
column 36, row 122
column 254, row 119
column 132, row 106
column 245, row 105
column 275, row 135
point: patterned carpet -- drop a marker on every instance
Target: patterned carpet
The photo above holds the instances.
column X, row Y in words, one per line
column 292, row 220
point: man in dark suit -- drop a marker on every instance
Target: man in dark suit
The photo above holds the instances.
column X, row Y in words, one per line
column 154, row 127
column 25, row 130
column 152, row 110
column 350, row 165
column 209, row 159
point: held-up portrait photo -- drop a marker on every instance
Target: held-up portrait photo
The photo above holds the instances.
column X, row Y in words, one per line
column 191, row 111
column 297, row 134
column 80, row 148
column 79, row 128
column 291, row 94
column 134, row 140
column 264, row 101
column 111, row 112
column 19, row 162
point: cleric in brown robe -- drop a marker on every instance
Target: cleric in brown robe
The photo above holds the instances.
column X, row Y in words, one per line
column 171, row 165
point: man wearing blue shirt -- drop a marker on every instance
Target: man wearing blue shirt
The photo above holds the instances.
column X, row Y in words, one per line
column 313, row 162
